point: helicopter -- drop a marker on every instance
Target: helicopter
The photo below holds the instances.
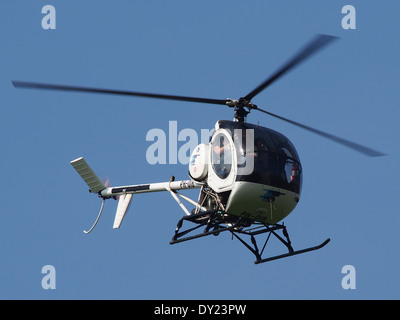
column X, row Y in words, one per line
column 249, row 176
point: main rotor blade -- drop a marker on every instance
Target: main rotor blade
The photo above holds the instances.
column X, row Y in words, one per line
column 34, row 85
column 355, row 146
column 316, row 44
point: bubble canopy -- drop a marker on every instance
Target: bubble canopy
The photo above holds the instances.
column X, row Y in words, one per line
column 273, row 158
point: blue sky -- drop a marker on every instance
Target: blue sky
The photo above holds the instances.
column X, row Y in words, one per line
column 214, row 49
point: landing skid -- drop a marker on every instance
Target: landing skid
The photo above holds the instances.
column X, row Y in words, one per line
column 293, row 253
column 216, row 222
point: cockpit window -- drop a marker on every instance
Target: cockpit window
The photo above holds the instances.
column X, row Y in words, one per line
column 221, row 156
column 289, row 163
column 292, row 170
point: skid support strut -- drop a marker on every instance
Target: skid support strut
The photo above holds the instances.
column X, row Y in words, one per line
column 211, row 220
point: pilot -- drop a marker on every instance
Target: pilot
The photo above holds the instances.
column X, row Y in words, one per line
column 259, row 147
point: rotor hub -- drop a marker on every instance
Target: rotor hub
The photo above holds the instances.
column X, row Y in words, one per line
column 239, row 107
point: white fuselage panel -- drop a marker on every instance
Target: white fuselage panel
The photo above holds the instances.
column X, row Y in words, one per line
column 261, row 202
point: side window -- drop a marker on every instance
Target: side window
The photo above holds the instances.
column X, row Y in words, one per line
column 292, row 168
column 288, row 165
column 221, row 156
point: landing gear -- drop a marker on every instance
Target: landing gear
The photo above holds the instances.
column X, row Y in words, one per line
column 271, row 230
column 215, row 222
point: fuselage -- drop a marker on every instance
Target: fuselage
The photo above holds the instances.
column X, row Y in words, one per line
column 261, row 171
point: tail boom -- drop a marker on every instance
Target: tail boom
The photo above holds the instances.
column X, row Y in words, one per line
column 124, row 193
column 152, row 187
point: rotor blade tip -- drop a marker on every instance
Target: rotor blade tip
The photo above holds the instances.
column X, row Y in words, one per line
column 327, row 37
column 20, row 84
column 378, row 154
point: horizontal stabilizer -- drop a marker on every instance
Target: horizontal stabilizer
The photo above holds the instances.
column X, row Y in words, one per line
column 88, row 175
column 123, row 205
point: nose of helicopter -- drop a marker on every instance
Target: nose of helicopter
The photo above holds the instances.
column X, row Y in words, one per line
column 261, row 203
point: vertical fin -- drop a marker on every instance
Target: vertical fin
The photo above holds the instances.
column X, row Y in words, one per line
column 123, row 205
